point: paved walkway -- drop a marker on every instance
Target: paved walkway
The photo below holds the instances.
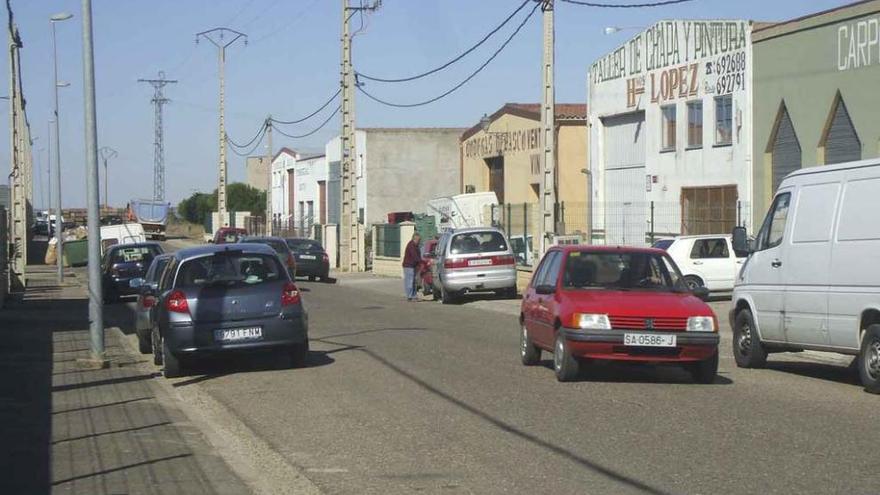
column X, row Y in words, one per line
column 72, row 430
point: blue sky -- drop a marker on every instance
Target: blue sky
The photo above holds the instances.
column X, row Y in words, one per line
column 291, row 66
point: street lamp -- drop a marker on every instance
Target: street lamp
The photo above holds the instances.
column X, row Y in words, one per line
column 60, row 17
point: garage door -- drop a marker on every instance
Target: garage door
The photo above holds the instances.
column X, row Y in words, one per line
column 842, row 143
column 786, row 149
column 625, row 209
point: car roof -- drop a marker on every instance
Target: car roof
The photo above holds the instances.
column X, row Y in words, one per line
column 261, row 238
column 703, row 236
column 208, row 249
column 606, row 249
column 135, row 244
column 465, row 230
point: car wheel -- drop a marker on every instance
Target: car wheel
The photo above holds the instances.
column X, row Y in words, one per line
column 110, row 297
column 157, row 347
column 869, row 360
column 747, row 348
column 312, row 278
column 693, row 282
column 706, row 370
column 299, row 355
column 529, row 353
column 145, row 344
column 173, row 367
column 564, row 364
column 445, row 296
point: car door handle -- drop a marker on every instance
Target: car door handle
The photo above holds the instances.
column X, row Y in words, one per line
column 776, row 264
column 698, row 262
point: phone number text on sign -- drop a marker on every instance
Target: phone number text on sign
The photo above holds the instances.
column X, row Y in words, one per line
column 729, row 71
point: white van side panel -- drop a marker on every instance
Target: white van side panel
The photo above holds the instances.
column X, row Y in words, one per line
column 855, row 263
column 807, row 262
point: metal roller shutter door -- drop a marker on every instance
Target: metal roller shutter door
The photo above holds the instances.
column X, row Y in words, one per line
column 786, row 150
column 625, row 209
column 842, row 143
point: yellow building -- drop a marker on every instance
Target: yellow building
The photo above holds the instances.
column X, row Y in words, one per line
column 503, row 154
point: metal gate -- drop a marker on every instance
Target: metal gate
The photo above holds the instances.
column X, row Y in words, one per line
column 625, row 214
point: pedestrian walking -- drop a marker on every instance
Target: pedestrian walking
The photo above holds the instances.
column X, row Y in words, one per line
column 412, row 258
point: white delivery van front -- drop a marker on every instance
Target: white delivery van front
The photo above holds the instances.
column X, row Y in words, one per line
column 812, row 280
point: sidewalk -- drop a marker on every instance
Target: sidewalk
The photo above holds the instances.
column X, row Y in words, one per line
column 72, row 430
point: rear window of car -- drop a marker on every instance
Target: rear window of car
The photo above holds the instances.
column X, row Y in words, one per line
column 304, row 245
column 142, row 254
column 278, row 246
column 477, row 242
column 230, row 269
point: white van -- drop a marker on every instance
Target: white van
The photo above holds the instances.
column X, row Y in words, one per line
column 126, row 233
column 812, row 280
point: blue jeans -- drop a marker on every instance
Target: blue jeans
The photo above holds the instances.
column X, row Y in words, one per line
column 409, row 282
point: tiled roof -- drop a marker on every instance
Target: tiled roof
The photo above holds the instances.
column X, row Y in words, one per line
column 564, row 111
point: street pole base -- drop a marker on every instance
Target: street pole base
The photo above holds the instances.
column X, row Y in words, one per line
column 92, row 364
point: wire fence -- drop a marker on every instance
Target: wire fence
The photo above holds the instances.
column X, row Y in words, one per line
column 303, row 226
column 387, row 240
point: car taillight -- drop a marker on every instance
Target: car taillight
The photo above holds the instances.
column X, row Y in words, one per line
column 505, row 259
column 150, row 301
column 453, row 263
column 176, row 302
column 290, row 294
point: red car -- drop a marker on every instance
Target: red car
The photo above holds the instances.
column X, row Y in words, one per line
column 616, row 303
column 228, row 235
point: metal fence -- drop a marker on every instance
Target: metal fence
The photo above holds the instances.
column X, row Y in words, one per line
column 387, row 240
column 296, row 227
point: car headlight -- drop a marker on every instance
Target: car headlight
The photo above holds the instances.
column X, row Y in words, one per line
column 701, row 324
column 590, row 321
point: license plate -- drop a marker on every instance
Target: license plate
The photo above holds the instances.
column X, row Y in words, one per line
column 648, row 340
column 238, row 334
column 479, row 262
column 308, row 257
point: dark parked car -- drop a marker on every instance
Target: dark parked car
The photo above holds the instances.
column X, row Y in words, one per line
column 230, row 298
column 311, row 259
column 228, row 235
column 147, row 300
column 280, row 247
column 124, row 262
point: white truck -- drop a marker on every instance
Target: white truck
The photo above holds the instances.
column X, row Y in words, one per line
column 126, row 233
column 152, row 215
column 463, row 210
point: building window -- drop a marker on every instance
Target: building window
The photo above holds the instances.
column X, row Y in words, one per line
column 668, row 115
column 695, row 124
column 723, row 120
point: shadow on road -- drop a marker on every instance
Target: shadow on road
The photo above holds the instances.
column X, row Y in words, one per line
column 841, row 374
column 612, row 372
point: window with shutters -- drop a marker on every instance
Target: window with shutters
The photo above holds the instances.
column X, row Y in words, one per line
column 695, row 124
column 723, row 120
column 668, row 127
column 840, row 142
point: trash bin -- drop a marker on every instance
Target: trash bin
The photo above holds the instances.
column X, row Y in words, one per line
column 76, row 253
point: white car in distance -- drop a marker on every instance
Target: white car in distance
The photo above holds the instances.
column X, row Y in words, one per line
column 705, row 260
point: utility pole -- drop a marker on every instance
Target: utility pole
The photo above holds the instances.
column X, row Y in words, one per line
column 269, row 175
column 349, row 245
column 59, row 224
column 107, row 153
column 96, row 292
column 158, row 136
column 222, row 38
column 548, row 125
column 17, row 180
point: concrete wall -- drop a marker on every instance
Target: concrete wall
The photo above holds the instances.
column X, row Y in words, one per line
column 407, row 167
column 333, row 153
column 257, row 172
column 388, row 266
column 805, row 63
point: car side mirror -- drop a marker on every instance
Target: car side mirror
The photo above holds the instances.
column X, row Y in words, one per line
column 702, row 293
column 136, row 283
column 545, row 290
column 740, row 241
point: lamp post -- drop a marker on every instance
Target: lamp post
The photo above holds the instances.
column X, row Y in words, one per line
column 55, row 85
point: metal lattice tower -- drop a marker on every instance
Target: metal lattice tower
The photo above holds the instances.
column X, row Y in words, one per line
column 158, row 138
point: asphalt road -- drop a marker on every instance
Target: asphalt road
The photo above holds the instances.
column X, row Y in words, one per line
column 419, row 397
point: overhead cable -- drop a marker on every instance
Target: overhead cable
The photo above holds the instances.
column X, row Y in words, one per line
column 236, row 145
column 307, row 117
column 462, row 83
column 250, row 152
column 626, row 5
column 300, row 136
column 454, row 60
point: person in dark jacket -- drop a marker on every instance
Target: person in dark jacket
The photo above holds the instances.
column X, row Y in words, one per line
column 412, row 257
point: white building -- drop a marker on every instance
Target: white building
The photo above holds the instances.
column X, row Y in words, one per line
column 670, row 126
column 283, row 166
column 309, row 198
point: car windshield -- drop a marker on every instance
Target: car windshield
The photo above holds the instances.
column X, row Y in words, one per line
column 134, row 254
column 477, row 242
column 304, row 245
column 229, row 268
column 621, row 271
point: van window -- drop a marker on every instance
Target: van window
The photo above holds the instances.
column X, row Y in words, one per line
column 477, row 242
column 858, row 213
column 774, row 225
column 710, row 248
column 815, row 212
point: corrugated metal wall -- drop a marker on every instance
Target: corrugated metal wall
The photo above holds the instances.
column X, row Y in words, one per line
column 842, row 143
column 786, row 149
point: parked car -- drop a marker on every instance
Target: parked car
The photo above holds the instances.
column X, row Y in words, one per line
column 426, row 274
column 616, row 303
column 281, row 248
column 705, row 260
column 146, row 300
column 812, row 280
column 230, row 298
column 124, row 262
column 311, row 259
column 477, row 259
column 228, row 235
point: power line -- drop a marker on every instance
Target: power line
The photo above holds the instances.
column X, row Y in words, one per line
column 250, row 152
column 292, row 136
column 625, row 6
column 257, row 136
column 462, row 83
column 307, row 117
column 454, row 60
